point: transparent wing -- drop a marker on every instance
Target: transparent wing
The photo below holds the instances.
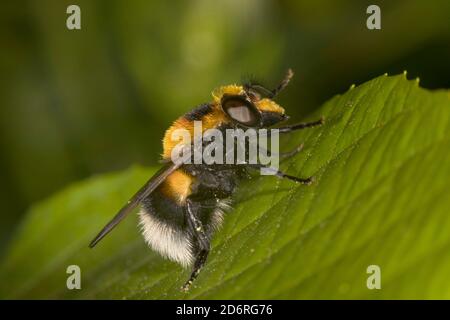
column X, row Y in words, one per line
column 144, row 192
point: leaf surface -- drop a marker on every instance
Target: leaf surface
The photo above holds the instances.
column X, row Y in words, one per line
column 382, row 168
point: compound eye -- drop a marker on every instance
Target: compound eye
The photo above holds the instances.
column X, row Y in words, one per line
column 241, row 110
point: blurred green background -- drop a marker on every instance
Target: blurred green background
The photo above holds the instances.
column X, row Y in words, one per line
column 83, row 102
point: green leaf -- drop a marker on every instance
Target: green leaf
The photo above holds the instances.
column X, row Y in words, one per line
column 382, row 169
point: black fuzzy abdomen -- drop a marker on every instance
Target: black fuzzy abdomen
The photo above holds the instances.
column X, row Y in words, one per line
column 164, row 209
column 210, row 195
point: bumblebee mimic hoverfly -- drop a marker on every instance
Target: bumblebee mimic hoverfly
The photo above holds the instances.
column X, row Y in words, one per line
column 183, row 204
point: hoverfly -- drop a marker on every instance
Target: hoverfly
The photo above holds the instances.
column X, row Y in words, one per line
column 182, row 205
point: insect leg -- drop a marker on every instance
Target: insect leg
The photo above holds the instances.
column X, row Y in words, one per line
column 283, row 83
column 281, row 174
column 294, row 127
column 289, row 154
column 198, row 265
column 202, row 243
column 300, row 126
column 284, row 155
